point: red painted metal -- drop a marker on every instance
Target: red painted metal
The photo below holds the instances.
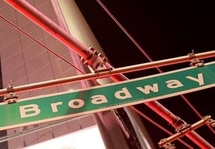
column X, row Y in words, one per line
column 146, row 55
column 48, row 25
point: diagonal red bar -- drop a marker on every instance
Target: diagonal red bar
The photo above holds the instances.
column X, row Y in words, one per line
column 48, row 25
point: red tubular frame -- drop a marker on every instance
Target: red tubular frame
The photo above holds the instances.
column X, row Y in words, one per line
column 48, row 25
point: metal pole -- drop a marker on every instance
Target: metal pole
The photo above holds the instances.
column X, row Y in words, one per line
column 47, row 24
column 105, row 73
column 184, row 131
column 80, row 49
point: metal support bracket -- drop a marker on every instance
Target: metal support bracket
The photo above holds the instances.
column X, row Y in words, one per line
column 107, row 70
column 211, row 122
column 195, row 61
column 95, row 59
column 11, row 97
column 169, row 145
column 179, row 123
column 185, row 129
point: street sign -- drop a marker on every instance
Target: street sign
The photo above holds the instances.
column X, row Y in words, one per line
column 116, row 95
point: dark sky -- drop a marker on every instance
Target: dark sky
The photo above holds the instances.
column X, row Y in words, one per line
column 164, row 29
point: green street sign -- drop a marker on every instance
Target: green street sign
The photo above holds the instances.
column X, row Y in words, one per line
column 100, row 98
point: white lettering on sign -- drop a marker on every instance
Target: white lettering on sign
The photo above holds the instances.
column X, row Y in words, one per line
column 148, row 88
column 99, row 99
column 123, row 94
column 174, row 84
column 200, row 79
column 29, row 110
column 76, row 103
column 54, row 106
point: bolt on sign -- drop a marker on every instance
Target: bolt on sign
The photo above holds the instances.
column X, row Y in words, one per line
column 116, row 95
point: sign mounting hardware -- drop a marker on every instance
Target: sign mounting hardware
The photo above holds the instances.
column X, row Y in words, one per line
column 195, row 61
column 69, row 104
column 211, row 122
column 11, row 97
column 95, row 59
column 100, row 71
column 166, row 142
column 169, row 145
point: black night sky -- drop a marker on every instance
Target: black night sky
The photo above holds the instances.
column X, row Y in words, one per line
column 164, row 29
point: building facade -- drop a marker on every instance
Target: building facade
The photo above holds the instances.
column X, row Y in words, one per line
column 29, row 55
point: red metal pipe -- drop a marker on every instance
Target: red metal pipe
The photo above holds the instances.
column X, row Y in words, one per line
column 44, row 22
column 48, row 25
column 145, row 54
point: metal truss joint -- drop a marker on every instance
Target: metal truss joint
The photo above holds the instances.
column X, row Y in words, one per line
column 11, row 97
column 167, row 145
column 186, row 129
column 95, row 59
column 102, row 71
column 195, row 61
column 211, row 122
column 179, row 124
column 182, row 128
